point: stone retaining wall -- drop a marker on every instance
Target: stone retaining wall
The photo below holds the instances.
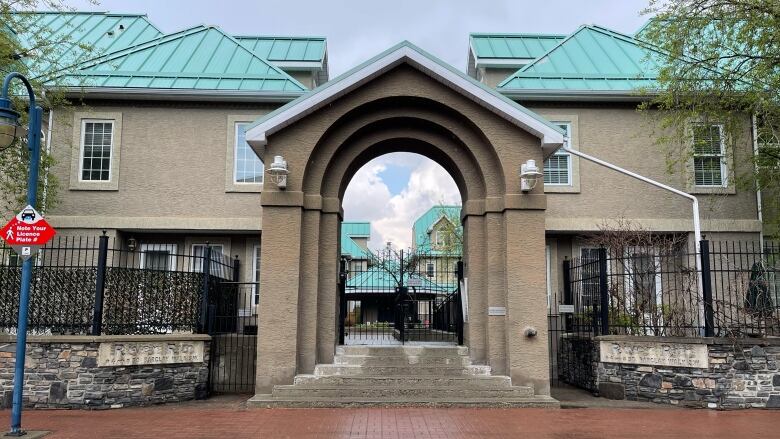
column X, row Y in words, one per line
column 63, row 372
column 740, row 374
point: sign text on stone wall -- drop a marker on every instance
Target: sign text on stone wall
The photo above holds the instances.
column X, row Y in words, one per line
column 133, row 353
column 655, row 353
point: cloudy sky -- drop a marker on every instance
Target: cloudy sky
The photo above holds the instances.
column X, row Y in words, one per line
column 392, row 190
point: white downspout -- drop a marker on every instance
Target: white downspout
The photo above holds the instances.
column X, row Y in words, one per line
column 693, row 199
column 759, row 204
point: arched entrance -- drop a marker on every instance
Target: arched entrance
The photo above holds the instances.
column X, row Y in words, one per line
column 403, row 100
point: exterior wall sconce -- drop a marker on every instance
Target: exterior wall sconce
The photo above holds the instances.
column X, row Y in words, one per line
column 278, row 172
column 132, row 244
column 529, row 175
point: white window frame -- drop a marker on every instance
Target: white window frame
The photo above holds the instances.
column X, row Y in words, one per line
column 628, row 287
column 171, row 248
column 548, row 273
column 236, row 127
column 561, row 152
column 722, row 156
column 82, row 135
column 198, row 260
column 430, row 270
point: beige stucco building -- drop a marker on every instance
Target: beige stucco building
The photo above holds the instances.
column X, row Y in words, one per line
column 170, row 166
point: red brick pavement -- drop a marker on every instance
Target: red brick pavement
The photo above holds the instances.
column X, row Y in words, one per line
column 233, row 421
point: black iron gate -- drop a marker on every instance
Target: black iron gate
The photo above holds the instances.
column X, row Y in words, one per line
column 232, row 325
column 397, row 297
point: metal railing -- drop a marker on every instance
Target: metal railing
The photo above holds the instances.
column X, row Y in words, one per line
column 91, row 285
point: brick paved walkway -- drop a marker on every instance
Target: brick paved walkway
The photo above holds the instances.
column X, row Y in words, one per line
column 231, row 420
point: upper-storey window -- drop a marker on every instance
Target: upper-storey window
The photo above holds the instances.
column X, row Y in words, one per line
column 557, row 167
column 248, row 168
column 709, row 155
column 97, row 141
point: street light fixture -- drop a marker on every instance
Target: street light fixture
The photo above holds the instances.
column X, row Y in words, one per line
column 10, row 131
column 529, row 175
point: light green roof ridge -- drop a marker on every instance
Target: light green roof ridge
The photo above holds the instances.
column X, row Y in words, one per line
column 423, row 224
column 512, row 46
column 354, row 229
column 593, row 58
column 433, row 58
column 201, row 58
column 286, row 48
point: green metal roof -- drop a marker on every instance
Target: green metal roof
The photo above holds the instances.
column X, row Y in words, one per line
column 102, row 32
column 199, row 58
column 591, row 59
column 378, row 281
column 512, row 46
column 286, row 49
column 351, row 230
column 424, row 224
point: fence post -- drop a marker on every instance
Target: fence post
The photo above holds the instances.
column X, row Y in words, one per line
column 568, row 298
column 236, row 267
column 603, row 291
column 706, row 288
column 204, row 305
column 459, row 305
column 100, row 285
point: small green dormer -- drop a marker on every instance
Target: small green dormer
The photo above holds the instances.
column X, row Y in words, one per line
column 438, row 230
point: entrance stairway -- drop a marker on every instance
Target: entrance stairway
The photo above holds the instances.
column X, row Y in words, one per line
column 384, row 376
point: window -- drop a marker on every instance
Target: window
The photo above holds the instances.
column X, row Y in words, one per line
column 430, row 269
column 442, row 238
column 709, row 161
column 199, row 254
column 158, row 256
column 557, row 167
column 248, row 168
column 589, row 257
column 644, row 278
column 97, row 139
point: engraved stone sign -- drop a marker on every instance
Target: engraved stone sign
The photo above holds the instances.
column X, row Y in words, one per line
column 655, row 353
column 134, row 353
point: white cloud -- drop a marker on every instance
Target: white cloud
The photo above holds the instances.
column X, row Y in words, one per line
column 368, row 198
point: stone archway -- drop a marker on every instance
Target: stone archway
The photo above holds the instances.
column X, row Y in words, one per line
column 403, row 100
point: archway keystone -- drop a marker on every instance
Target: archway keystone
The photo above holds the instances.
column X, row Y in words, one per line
column 403, row 100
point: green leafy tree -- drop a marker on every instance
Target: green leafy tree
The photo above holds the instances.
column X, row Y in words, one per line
column 43, row 57
column 723, row 66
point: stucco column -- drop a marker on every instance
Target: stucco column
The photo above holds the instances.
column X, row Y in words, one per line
column 327, row 300
column 526, row 299
column 496, row 292
column 307, row 295
column 277, row 340
column 475, row 271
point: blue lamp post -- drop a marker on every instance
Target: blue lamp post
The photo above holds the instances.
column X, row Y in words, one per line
column 9, row 130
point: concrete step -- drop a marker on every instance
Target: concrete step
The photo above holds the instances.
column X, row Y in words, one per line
column 376, row 392
column 268, row 401
column 401, row 360
column 405, row 380
column 443, row 350
column 409, row 370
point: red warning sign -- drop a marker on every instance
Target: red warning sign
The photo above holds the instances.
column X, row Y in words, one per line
column 27, row 232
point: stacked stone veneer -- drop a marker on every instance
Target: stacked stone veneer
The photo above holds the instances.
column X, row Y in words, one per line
column 741, row 374
column 63, row 372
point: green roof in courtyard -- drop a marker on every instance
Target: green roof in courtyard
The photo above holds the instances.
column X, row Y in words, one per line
column 199, row 58
column 512, row 46
column 102, row 32
column 377, row 281
column 286, row 49
column 351, row 230
column 591, row 59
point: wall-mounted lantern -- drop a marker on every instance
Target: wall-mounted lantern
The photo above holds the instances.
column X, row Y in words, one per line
column 278, row 172
column 529, row 175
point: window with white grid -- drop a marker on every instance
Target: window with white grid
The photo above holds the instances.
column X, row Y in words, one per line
column 97, row 139
column 709, row 156
column 248, row 168
column 557, row 167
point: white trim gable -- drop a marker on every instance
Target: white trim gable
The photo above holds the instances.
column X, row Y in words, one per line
column 551, row 139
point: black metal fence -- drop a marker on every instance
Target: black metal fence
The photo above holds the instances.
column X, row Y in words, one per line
column 396, row 297
column 726, row 289
column 90, row 285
